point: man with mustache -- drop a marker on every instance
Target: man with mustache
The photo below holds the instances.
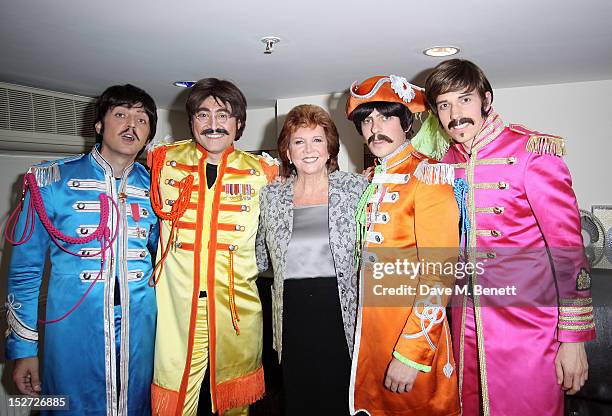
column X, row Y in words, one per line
column 402, row 361
column 100, row 312
column 523, row 219
column 206, row 193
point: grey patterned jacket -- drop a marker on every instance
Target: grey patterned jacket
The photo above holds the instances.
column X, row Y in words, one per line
column 276, row 226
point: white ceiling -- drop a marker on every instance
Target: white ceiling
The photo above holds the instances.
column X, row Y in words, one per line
column 81, row 47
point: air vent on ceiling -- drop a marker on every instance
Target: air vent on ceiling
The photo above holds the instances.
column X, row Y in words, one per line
column 39, row 120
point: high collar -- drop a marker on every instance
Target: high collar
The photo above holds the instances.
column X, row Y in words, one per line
column 105, row 166
column 397, row 156
column 492, row 127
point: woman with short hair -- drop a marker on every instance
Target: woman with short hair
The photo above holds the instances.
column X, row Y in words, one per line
column 307, row 225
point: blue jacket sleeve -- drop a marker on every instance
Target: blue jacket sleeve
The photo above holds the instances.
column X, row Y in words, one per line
column 24, row 279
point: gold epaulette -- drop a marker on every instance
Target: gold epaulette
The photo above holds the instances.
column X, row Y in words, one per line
column 542, row 144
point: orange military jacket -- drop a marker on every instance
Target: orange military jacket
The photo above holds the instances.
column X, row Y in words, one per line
column 411, row 216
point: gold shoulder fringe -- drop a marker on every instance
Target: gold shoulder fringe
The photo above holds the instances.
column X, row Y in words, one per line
column 546, row 145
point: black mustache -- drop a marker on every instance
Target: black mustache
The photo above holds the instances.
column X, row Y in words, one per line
column 455, row 123
column 131, row 131
column 379, row 137
column 219, row 130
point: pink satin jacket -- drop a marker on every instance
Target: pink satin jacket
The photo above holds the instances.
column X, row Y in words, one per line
column 524, row 233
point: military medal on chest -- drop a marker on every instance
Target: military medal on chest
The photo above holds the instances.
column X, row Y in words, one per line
column 238, row 191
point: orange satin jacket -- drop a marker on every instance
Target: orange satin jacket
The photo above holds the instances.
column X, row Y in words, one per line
column 412, row 219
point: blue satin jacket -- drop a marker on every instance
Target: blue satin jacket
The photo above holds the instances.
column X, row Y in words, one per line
column 101, row 355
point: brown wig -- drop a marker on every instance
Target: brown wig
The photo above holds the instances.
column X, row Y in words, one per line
column 129, row 96
column 224, row 92
column 457, row 75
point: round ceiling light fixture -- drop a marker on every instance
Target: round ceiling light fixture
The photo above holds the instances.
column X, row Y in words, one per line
column 183, row 84
column 441, row 51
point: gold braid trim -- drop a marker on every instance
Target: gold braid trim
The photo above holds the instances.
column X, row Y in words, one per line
column 570, row 327
column 576, row 301
column 572, row 318
column 567, row 310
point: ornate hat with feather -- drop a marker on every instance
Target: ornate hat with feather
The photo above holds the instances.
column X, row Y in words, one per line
column 392, row 88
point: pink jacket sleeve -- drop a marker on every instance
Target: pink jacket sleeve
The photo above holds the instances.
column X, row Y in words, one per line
column 549, row 191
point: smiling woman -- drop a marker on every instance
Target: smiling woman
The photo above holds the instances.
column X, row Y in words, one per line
column 307, row 225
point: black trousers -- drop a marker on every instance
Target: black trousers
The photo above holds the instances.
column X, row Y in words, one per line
column 315, row 357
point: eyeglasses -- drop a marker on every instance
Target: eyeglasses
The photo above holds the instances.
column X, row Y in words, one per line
column 221, row 117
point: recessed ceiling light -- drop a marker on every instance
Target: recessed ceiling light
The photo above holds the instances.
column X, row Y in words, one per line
column 441, row 51
column 183, row 84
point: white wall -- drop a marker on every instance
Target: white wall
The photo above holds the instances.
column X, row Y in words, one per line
column 260, row 131
column 581, row 113
column 171, row 123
